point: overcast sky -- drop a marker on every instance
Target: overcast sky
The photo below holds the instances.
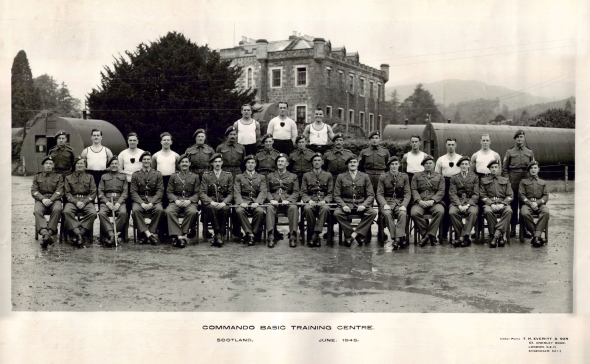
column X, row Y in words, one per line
column 518, row 44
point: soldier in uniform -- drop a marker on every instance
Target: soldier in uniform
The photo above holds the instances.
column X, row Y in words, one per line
column 373, row 159
column 62, row 154
column 335, row 159
column 496, row 195
column 393, row 197
column 428, row 189
column 300, row 158
column 200, row 153
column 250, row 192
column 112, row 196
column 514, row 167
column 463, row 196
column 534, row 194
column 265, row 159
column 231, row 152
column 283, row 194
column 80, row 195
column 217, row 194
column 147, row 189
column 47, row 190
column 183, row 193
column 353, row 192
column 317, row 191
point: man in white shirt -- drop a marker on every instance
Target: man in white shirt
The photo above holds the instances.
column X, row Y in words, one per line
column 129, row 158
column 283, row 130
column 412, row 160
column 96, row 156
column 165, row 162
column 318, row 133
column 248, row 130
column 448, row 166
column 481, row 158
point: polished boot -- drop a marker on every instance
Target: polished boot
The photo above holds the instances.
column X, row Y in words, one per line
column 424, row 241
column 293, row 240
column 153, row 239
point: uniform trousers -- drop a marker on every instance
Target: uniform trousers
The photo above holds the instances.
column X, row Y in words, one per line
column 190, row 218
column 300, row 176
column 494, row 225
column 87, row 220
column 437, row 211
column 138, row 214
column 515, row 178
column 257, row 216
column 96, row 174
column 121, row 217
column 368, row 215
column 218, row 217
column 456, row 216
column 398, row 230
column 292, row 214
column 319, row 148
column 54, row 210
column 316, row 216
column 527, row 214
column 251, row 148
column 446, row 222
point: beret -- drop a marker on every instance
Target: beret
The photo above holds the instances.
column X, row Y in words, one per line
column 48, row 158
column 533, row 163
column 248, row 157
column 299, row 137
column 281, row 155
column 316, row 155
column 426, row 159
column 264, row 137
column 463, row 158
column 214, row 157
column 375, row 132
column 338, row 135
column 183, row 156
column 492, row 162
column 146, row 153
column 197, row 132
column 519, row 132
column 61, row 132
column 392, row 159
column 351, row 158
column 229, row 130
column 79, row 158
column 113, row 158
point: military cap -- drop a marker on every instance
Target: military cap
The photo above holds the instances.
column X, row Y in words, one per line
column 79, row 158
column 247, row 158
column 299, row 137
column 533, row 163
column 427, row 158
column 230, row 129
column 214, row 157
column 338, row 135
column 463, row 158
column 61, row 132
column 146, row 153
column 351, row 158
column 113, row 158
column 316, row 155
column 492, row 162
column 264, row 137
column 197, row 132
column 48, row 158
column 392, row 159
column 375, row 132
column 183, row 156
column 519, row 132
column 281, row 155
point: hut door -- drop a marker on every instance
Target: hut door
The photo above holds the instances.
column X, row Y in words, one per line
column 40, row 150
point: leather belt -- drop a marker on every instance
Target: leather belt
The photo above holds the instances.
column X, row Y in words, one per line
column 112, row 194
column 80, row 196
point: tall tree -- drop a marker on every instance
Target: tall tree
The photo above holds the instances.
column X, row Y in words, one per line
column 24, row 99
column 568, row 106
column 172, row 85
column 505, row 110
column 420, row 106
column 556, row 118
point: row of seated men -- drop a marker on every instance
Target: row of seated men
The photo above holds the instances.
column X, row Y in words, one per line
column 255, row 195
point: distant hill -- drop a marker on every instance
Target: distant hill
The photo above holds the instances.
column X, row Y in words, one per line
column 536, row 109
column 454, row 91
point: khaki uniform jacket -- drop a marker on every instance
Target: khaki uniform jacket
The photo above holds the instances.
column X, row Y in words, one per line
column 428, row 188
column 250, row 189
column 373, row 158
column 495, row 190
column 47, row 185
column 464, row 190
column 232, row 154
column 63, row 158
column 199, row 156
column 533, row 188
column 357, row 192
column 516, row 158
column 217, row 190
column 80, row 184
column 283, row 187
column 394, row 190
column 147, row 187
column 183, row 187
column 335, row 161
column 300, row 160
column 317, row 187
column 113, row 183
column 265, row 160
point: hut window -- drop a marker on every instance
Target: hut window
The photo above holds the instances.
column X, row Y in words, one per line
column 40, row 144
column 249, row 77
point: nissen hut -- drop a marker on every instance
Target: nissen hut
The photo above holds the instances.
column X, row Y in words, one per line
column 41, row 137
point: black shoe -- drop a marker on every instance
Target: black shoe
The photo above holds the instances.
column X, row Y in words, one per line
column 458, row 242
column 501, row 242
column 433, row 240
column 424, row 241
column 181, row 242
column 293, row 241
column 526, row 234
column 348, row 241
column 192, row 233
column 153, row 239
column 396, row 244
column 359, row 240
column 249, row 239
column 217, row 240
column 47, row 240
column 79, row 240
column 271, row 241
column 535, row 242
column 542, row 241
column 174, row 241
column 494, row 241
column 466, row 241
column 513, row 231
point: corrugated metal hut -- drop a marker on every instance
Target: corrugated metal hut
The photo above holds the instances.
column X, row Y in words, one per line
column 402, row 131
column 40, row 138
column 554, row 148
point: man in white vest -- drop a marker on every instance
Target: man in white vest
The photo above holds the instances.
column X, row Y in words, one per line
column 248, row 130
column 283, row 130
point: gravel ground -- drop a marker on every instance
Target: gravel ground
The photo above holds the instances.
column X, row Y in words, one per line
column 516, row 278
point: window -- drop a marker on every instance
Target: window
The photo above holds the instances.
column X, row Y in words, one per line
column 249, row 83
column 362, row 87
column 341, row 75
column 301, row 114
column 328, row 111
column 341, row 113
column 362, row 120
column 276, row 77
column 371, row 89
column 379, row 92
column 301, row 76
column 371, row 122
column 40, row 144
column 351, row 83
column 351, row 116
column 328, row 76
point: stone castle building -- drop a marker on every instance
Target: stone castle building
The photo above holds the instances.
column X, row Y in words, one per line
column 308, row 73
